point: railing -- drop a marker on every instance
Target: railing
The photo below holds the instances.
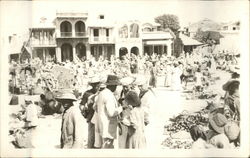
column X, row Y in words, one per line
column 66, row 34
column 43, row 42
column 101, row 39
column 96, row 39
column 80, row 34
column 135, row 35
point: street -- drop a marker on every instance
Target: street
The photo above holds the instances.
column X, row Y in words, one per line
column 168, row 104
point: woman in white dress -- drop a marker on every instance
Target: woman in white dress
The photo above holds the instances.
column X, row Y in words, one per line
column 176, row 80
column 168, row 78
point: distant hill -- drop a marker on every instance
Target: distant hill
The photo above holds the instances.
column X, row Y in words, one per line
column 205, row 25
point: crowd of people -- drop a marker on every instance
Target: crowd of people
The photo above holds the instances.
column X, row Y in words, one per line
column 117, row 104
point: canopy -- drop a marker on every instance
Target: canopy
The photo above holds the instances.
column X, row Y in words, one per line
column 157, row 42
column 156, row 35
column 188, row 41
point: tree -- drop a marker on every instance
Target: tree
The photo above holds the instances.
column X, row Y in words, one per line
column 211, row 38
column 208, row 37
column 168, row 21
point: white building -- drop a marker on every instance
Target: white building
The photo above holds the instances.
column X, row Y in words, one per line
column 231, row 37
column 75, row 35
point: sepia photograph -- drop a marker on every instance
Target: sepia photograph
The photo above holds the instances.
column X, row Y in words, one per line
column 163, row 78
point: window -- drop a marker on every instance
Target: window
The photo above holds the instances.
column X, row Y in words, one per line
column 101, row 16
column 225, row 28
column 234, row 28
column 107, row 32
column 96, row 32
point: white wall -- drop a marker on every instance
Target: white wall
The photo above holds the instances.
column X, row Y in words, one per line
column 230, row 42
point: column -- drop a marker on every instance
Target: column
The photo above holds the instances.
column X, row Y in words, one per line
column 116, row 51
column 58, row 54
column 43, row 39
column 74, row 53
column 142, row 50
column 169, row 51
column 44, row 55
column 73, row 30
column 91, row 34
column 103, row 52
column 88, row 53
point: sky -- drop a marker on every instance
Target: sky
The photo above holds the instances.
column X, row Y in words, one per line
column 18, row 16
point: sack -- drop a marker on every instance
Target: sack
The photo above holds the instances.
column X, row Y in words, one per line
column 84, row 111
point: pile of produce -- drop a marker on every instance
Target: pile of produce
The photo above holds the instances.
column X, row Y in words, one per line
column 177, row 144
column 177, row 131
column 184, row 122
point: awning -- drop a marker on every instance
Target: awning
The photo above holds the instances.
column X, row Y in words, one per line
column 158, row 42
column 188, row 41
column 160, row 35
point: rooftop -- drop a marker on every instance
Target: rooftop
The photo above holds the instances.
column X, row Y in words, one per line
column 41, row 26
column 156, row 35
column 188, row 41
column 71, row 15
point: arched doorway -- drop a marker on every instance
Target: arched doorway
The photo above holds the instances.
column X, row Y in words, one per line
column 66, row 29
column 122, row 51
column 81, row 51
column 135, row 50
column 67, row 52
column 80, row 28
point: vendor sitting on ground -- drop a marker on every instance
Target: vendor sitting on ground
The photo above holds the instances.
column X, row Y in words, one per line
column 23, row 137
column 220, row 134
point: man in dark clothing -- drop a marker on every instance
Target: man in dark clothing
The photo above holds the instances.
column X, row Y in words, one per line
column 86, row 106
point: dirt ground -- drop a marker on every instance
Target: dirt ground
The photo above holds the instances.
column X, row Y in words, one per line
column 169, row 104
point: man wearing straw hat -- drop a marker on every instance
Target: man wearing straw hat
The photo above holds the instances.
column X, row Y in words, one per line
column 72, row 129
column 123, row 131
column 107, row 112
column 146, row 95
column 86, row 106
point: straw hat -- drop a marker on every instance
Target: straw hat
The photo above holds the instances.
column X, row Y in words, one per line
column 227, row 85
column 127, row 80
column 236, row 70
column 94, row 79
column 27, row 99
column 218, row 122
column 66, row 96
column 232, row 130
column 140, row 80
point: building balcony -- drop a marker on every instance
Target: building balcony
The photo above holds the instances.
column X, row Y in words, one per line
column 72, row 35
column 101, row 40
column 80, row 34
column 66, row 34
column 43, row 43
